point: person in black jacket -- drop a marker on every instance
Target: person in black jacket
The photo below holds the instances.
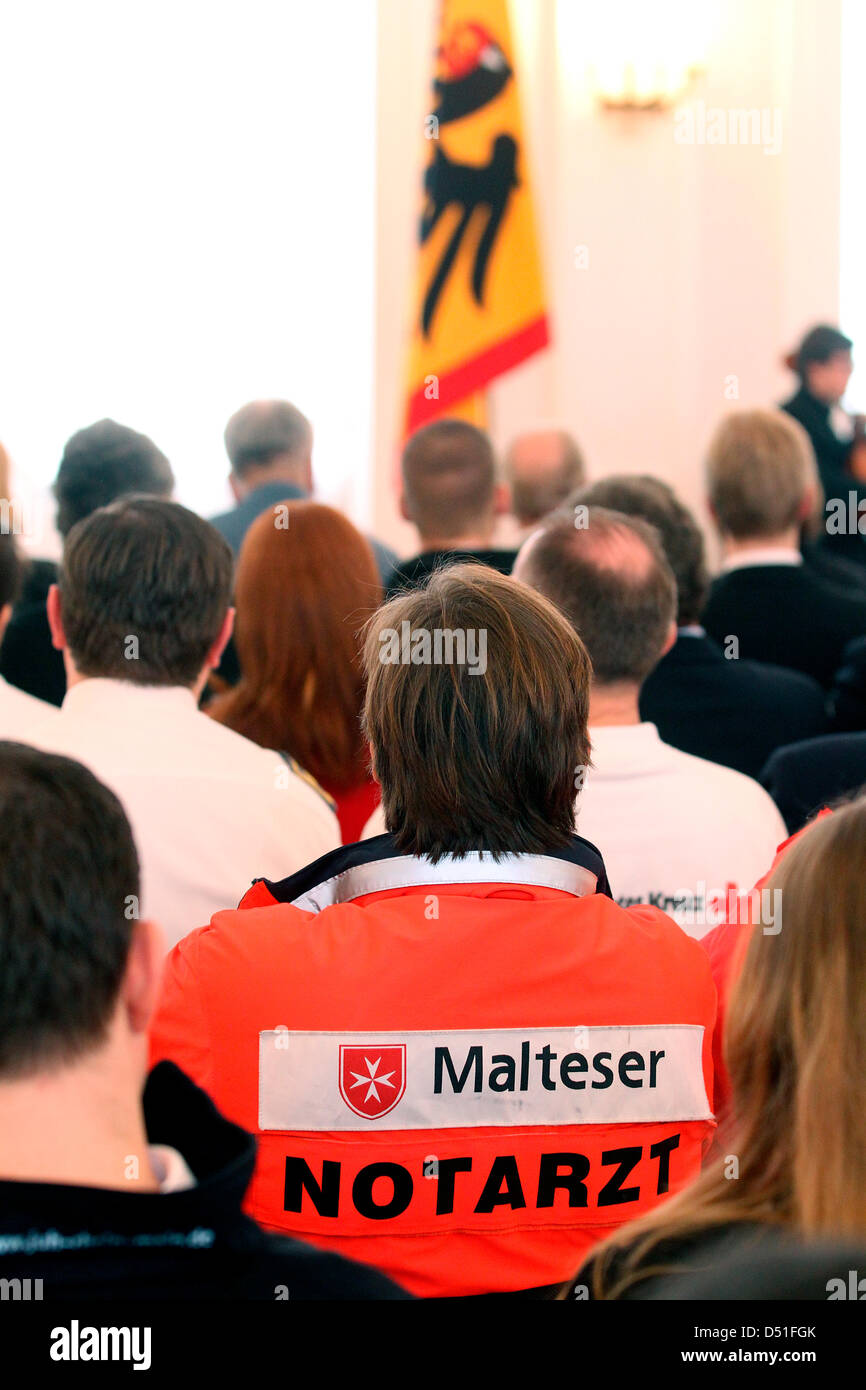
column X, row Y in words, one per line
column 804, row 777
column 823, row 366
column 105, row 1193
column 99, row 464
column 766, row 604
column 730, row 712
column 451, row 494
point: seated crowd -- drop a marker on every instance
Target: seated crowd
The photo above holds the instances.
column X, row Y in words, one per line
column 429, row 928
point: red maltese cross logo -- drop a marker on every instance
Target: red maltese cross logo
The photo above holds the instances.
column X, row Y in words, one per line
column 372, row 1079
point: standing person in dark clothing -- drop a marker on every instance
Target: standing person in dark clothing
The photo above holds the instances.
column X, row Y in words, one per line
column 823, row 365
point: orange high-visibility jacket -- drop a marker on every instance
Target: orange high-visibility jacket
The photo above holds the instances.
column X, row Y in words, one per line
column 463, row 1073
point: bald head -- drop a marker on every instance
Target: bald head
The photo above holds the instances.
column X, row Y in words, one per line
column 610, row 578
column 541, row 468
column 269, row 439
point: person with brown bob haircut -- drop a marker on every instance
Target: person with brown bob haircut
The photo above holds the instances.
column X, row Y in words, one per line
column 305, row 586
column 795, row 1048
column 463, row 1061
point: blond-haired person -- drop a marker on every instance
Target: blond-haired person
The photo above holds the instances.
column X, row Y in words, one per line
column 794, row 1161
column 766, row 605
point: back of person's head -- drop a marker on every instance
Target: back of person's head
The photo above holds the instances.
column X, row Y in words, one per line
column 449, row 479
column 541, row 468
column 795, row 1048
column 796, row 1034
column 68, row 874
column 144, row 588
column 10, row 570
column 610, row 578
column 655, row 502
column 303, row 592
column 476, row 709
column 762, row 478
column 264, row 434
column 818, row 345
column 103, row 462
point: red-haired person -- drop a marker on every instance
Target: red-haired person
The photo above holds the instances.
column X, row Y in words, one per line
column 306, row 584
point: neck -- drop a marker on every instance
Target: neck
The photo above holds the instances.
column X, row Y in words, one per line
column 290, row 473
column 614, row 704
column 820, row 395
column 787, row 540
column 74, row 677
column 471, row 540
column 81, row 1125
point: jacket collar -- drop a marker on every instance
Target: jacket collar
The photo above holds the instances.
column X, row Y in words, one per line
column 377, row 865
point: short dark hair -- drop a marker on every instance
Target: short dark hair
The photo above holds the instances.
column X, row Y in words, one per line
column 69, row 893
column 655, row 501
column 103, row 462
column 449, row 477
column 10, row 569
column 263, row 431
column 820, row 344
column 485, row 760
column 611, row 580
column 151, row 570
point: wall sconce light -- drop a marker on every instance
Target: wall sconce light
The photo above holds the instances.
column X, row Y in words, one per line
column 644, row 53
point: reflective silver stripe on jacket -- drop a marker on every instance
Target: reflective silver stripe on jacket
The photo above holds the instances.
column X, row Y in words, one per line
column 407, row 871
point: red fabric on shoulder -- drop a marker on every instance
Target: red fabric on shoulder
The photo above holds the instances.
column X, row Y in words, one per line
column 726, row 946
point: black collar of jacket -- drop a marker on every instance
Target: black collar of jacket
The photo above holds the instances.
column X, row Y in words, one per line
column 809, row 404
column 220, row 1155
column 348, row 872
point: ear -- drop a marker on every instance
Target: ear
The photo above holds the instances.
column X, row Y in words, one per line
column 143, row 975
column 237, row 487
column 808, row 503
column 214, row 656
column 404, row 510
column 5, row 615
column 502, row 500
column 308, row 475
column 55, row 619
column 669, row 640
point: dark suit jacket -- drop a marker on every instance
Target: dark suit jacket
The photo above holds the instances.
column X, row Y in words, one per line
column 806, row 776
column 847, row 703
column 27, row 658
column 731, row 712
column 832, row 455
column 787, row 615
column 414, row 573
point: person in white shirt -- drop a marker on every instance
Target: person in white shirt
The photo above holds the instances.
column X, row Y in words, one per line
column 23, row 718
column 676, row 831
column 141, row 613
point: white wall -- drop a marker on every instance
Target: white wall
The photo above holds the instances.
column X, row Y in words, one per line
column 705, row 262
column 188, row 223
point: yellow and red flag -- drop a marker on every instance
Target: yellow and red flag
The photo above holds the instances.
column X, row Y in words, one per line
column 479, row 305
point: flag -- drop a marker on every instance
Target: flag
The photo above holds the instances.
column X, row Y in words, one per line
column 479, row 305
